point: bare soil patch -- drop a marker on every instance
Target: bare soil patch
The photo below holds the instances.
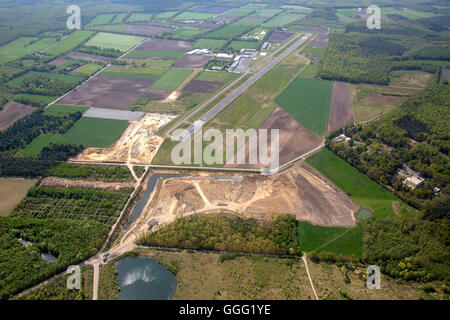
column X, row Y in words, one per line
column 341, row 112
column 13, row 111
column 279, row 36
column 109, row 92
column 155, row 94
column 138, row 144
column 445, row 73
column 165, row 45
column 67, row 183
column 58, row 61
column 294, row 139
column 205, row 25
column 192, row 61
column 203, row 86
column 299, row 191
column 12, row 191
column 321, row 40
column 147, row 30
column 89, row 57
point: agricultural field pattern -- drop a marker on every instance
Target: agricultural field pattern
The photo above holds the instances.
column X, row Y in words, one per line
column 210, row 150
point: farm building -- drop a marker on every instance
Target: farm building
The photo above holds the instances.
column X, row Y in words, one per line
column 198, row 52
column 265, row 46
column 224, row 56
column 414, row 181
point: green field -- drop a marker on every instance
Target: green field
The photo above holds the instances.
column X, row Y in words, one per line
column 101, row 19
column 282, row 20
column 155, row 53
column 308, row 102
column 363, row 191
column 172, row 79
column 88, row 69
column 66, row 78
column 68, row 43
column 38, row 98
column 228, row 31
column 165, row 15
column 250, row 21
column 238, row 45
column 35, row 147
column 266, row 12
column 345, row 241
column 21, row 47
column 59, row 109
column 95, row 132
column 194, row 15
column 135, row 72
column 185, row 33
column 140, row 17
column 241, row 11
column 119, row 42
column 119, row 18
column 209, row 44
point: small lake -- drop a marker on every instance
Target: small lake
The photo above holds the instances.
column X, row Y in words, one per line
column 137, row 210
column 363, row 213
column 144, row 279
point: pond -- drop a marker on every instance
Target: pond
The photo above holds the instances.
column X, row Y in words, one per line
column 137, row 210
column 363, row 213
column 144, row 279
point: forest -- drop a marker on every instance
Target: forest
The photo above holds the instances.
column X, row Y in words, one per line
column 226, row 232
column 91, row 172
column 417, row 136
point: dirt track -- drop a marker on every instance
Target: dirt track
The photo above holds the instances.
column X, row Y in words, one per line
column 300, row 191
column 341, row 112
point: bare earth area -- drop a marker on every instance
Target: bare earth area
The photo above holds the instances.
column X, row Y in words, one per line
column 278, row 36
column 13, row 111
column 341, row 112
column 300, row 191
column 203, row 86
column 57, row 62
column 294, row 139
column 109, row 92
column 192, row 61
column 67, row 183
column 138, row 144
column 157, row 94
column 146, row 30
column 165, row 45
column 12, row 191
column 445, row 73
column 321, row 40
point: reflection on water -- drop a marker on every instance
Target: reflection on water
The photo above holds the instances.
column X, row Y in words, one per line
column 144, row 279
column 48, row 257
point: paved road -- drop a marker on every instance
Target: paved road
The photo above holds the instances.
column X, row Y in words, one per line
column 243, row 87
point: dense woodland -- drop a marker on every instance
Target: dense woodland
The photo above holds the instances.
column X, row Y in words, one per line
column 92, row 172
column 416, row 136
column 224, row 232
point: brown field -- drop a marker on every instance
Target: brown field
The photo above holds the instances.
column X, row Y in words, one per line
column 192, row 61
column 341, row 112
column 12, row 191
column 321, row 40
column 147, row 30
column 13, row 111
column 165, row 45
column 203, row 86
column 155, row 94
column 279, row 36
column 67, row 183
column 294, row 139
column 445, row 73
column 58, row 61
column 109, row 92
column 89, row 57
column 300, row 191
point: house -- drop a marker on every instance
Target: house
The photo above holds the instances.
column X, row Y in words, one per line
column 341, row 138
column 414, row 181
